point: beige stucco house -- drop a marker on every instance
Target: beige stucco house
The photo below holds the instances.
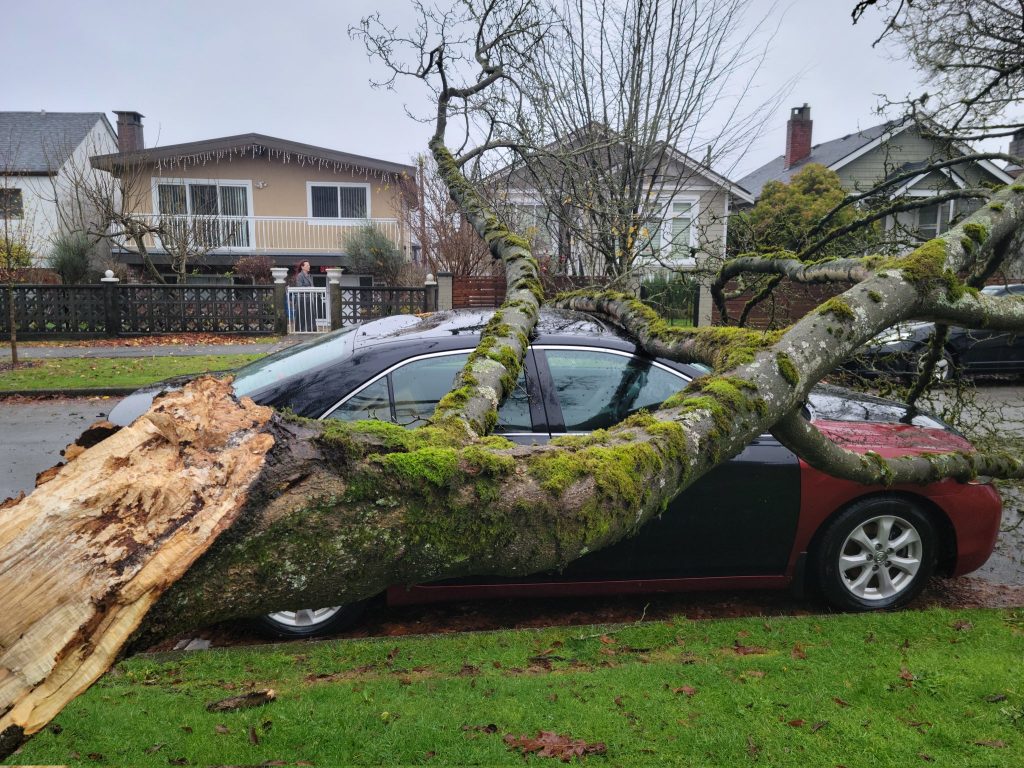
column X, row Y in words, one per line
column 259, row 195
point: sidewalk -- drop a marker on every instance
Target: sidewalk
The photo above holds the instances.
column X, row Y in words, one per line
column 30, row 351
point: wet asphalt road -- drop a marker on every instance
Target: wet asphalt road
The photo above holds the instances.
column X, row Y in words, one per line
column 33, row 432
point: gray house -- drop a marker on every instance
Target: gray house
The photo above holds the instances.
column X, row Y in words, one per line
column 869, row 156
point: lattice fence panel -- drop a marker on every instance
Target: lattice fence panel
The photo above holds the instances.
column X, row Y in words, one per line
column 55, row 310
column 151, row 309
column 362, row 304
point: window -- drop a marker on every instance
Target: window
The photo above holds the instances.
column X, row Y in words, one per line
column 229, row 202
column 418, row 386
column 11, row 204
column 536, row 224
column 932, row 220
column 677, row 229
column 339, row 201
column 596, row 390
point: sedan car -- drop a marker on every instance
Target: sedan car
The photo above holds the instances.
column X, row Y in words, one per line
column 764, row 519
column 966, row 352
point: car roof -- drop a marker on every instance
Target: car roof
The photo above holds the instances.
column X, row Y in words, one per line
column 553, row 326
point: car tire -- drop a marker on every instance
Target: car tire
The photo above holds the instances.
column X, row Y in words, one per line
column 877, row 553
column 309, row 622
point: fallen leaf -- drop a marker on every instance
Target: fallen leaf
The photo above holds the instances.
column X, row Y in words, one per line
column 551, row 744
column 186, row 728
column 221, row 729
column 994, row 743
column 752, row 748
column 796, row 723
column 155, row 748
column 798, row 652
column 607, row 640
column 97, row 756
column 754, row 673
column 926, row 758
column 179, row 761
column 840, row 701
column 963, row 625
column 687, row 689
column 818, row 726
column 995, row 698
column 618, row 701
column 253, row 736
column 245, row 701
column 747, row 650
column 467, row 670
column 906, row 674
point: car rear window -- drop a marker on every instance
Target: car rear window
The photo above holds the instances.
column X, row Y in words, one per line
column 300, row 358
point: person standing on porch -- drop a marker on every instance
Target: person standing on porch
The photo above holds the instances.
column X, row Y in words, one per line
column 302, row 279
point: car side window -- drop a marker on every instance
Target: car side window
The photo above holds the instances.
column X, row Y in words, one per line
column 599, row 389
column 371, row 402
column 419, row 385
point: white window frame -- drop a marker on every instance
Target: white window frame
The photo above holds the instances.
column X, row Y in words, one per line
column 665, row 252
column 247, row 183
column 336, row 184
column 950, row 211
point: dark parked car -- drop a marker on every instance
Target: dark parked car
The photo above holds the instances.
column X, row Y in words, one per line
column 762, row 520
column 899, row 350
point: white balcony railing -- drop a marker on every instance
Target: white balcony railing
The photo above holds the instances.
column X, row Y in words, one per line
column 259, row 234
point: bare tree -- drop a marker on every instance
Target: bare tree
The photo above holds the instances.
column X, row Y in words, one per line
column 16, row 236
column 448, row 242
column 616, row 122
column 207, row 508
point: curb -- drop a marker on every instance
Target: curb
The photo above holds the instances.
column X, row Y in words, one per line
column 46, row 394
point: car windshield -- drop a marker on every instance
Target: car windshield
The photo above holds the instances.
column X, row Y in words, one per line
column 330, row 348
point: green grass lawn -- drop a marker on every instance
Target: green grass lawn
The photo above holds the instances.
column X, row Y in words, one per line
column 92, row 372
column 913, row 688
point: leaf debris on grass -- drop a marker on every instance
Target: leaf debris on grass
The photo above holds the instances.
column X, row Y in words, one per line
column 551, row 744
column 245, row 701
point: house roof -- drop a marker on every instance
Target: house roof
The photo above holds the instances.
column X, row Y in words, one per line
column 41, row 142
column 831, row 154
column 838, row 152
column 195, row 152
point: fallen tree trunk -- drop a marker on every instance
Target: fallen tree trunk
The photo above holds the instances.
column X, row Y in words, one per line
column 84, row 557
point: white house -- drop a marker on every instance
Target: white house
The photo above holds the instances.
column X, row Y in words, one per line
column 40, row 155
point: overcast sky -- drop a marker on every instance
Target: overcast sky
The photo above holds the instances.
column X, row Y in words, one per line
column 200, row 69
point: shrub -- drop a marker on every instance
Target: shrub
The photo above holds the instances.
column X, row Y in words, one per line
column 670, row 297
column 370, row 252
column 255, row 268
column 70, row 258
column 14, row 255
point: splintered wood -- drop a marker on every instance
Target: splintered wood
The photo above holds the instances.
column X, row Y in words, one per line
column 84, row 557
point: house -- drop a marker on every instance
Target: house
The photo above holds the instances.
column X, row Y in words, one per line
column 254, row 195
column 678, row 207
column 867, row 157
column 42, row 156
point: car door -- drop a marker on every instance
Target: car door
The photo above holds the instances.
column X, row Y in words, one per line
column 740, row 519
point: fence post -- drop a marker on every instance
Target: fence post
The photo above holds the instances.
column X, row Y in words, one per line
column 280, row 299
column 111, row 304
column 429, row 293
column 445, row 283
column 334, row 296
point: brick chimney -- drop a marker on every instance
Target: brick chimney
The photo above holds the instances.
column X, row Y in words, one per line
column 129, row 131
column 1016, row 149
column 798, row 135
